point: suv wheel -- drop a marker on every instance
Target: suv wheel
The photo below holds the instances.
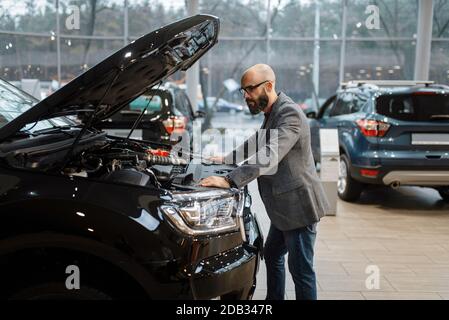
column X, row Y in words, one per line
column 444, row 193
column 348, row 189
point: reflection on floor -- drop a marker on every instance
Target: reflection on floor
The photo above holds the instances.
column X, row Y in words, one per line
column 403, row 234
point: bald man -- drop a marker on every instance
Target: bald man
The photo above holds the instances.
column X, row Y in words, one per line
column 288, row 183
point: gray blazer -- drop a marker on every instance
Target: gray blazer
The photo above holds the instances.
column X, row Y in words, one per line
column 289, row 185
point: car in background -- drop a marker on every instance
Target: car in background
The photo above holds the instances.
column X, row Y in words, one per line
column 310, row 106
column 127, row 215
column 168, row 114
column 221, row 105
column 391, row 133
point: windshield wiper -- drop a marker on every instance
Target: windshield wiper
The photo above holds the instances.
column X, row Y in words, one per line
column 51, row 130
column 130, row 112
column 70, row 112
column 440, row 116
column 23, row 133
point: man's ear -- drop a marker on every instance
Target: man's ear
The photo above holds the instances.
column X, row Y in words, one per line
column 269, row 86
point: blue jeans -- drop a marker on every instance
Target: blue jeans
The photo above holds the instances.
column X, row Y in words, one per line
column 299, row 244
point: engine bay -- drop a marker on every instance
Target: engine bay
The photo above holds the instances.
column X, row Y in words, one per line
column 114, row 159
column 126, row 161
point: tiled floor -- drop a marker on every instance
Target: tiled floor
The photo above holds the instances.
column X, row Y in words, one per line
column 405, row 233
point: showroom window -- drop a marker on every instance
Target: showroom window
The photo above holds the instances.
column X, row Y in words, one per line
column 439, row 63
column 312, row 46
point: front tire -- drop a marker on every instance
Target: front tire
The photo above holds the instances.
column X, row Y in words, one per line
column 348, row 189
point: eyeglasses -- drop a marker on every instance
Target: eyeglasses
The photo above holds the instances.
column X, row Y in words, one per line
column 249, row 89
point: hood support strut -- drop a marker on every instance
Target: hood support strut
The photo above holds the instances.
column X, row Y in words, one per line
column 139, row 119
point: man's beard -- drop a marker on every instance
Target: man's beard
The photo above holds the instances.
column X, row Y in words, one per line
column 258, row 105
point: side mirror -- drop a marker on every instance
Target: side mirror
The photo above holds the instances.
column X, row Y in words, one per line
column 199, row 114
column 311, row 115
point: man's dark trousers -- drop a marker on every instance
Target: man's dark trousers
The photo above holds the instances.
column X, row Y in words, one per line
column 299, row 244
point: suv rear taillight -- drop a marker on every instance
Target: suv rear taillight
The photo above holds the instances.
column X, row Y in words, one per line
column 373, row 128
column 175, row 124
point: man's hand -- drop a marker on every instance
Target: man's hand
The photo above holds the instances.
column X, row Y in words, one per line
column 218, row 159
column 213, row 181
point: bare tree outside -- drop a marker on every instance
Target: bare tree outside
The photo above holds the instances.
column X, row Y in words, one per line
column 242, row 42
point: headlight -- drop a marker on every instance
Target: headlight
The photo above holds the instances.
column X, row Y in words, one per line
column 205, row 212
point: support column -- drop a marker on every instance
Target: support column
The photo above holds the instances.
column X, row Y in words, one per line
column 316, row 57
column 343, row 41
column 58, row 44
column 125, row 24
column 268, row 35
column 424, row 40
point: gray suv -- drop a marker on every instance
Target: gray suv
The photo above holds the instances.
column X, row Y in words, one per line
column 393, row 133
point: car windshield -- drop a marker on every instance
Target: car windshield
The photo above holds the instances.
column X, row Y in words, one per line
column 14, row 102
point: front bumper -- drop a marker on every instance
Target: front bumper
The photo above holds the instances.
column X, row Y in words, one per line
column 230, row 275
column 211, row 267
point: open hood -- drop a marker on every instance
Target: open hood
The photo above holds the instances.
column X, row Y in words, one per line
column 126, row 74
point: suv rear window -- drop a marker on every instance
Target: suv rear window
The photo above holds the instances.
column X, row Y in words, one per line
column 153, row 103
column 421, row 106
